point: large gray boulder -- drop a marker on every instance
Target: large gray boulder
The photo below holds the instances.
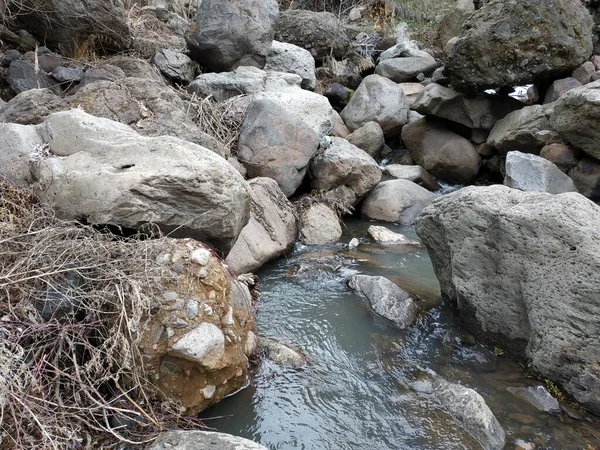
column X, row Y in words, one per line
column 386, row 299
column 202, row 440
column 23, row 76
column 451, row 24
column 271, row 231
column 318, row 224
column 380, row 100
column 290, row 58
column 575, row 117
column 399, row 201
column 512, row 43
column 445, row 154
column 479, row 112
column 276, row 144
column 369, row 138
column 175, row 66
column 467, row 408
column 321, row 33
column 517, row 264
column 416, row 174
column 344, row 171
column 226, row 35
column 32, row 107
column 105, row 173
column 527, row 130
column 72, row 24
column 405, row 69
column 19, row 145
column 533, row 173
column 243, row 80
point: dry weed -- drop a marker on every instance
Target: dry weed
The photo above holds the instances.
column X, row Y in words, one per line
column 73, row 301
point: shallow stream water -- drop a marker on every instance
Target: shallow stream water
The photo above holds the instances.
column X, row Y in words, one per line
column 354, row 392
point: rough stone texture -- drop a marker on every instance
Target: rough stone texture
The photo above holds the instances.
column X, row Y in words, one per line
column 274, row 143
column 524, row 270
column 586, row 176
column 412, row 91
column 32, row 107
column 175, row 66
column 401, row 70
column 271, row 231
column 318, row 225
column 468, row 409
column 416, row 174
column 537, row 396
column 382, row 235
column 202, row 440
column 321, row 33
column 512, row 43
column 575, row 117
column 313, row 109
column 67, row 75
column 584, row 73
column 369, row 138
column 226, row 35
column 23, row 77
column 527, row 130
column 66, row 24
column 380, row 100
column 281, row 354
column 104, row 172
column 564, row 156
column 345, row 171
column 338, row 95
column 243, row 80
column 443, row 153
column 560, row 88
column 398, row 201
column 451, row 24
column 136, row 68
column 480, row 111
column 386, row 299
column 96, row 74
column 290, row 58
column 219, row 328
column 17, row 147
column 533, row 173
column 338, row 129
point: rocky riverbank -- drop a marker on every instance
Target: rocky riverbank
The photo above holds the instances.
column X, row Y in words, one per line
column 238, row 128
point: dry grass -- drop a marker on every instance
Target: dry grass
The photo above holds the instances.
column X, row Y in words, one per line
column 72, row 303
column 318, row 197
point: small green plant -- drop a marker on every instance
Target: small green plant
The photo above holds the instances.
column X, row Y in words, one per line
column 554, row 390
column 498, row 351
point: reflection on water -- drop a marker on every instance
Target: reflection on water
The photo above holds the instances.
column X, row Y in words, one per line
column 354, row 392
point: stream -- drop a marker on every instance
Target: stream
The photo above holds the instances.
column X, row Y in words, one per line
column 354, row 392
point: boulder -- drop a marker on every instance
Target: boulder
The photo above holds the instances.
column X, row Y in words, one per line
column 321, row 33
column 105, row 173
column 19, row 145
column 290, row 58
column 398, row 201
column 401, row 70
column 443, row 153
column 537, row 396
column 105, row 73
column 67, row 75
column 416, row 174
column 175, row 66
column 564, row 156
column 586, row 177
column 412, row 91
column 560, row 88
column 345, row 171
column 527, row 130
column 386, row 299
column 202, row 440
column 584, row 73
column 32, row 107
column 313, row 109
column 369, row 138
column 276, row 144
column 513, row 43
column 533, row 173
column 271, row 231
column 281, row 354
column 196, row 344
column 338, row 95
column 136, row 68
column 451, row 24
column 481, row 111
column 70, row 25
column 380, row 100
column 339, row 128
column 22, row 77
column 319, row 224
column 384, row 236
column 243, row 80
column 226, row 35
column 517, row 264
column 467, row 408
column 575, row 118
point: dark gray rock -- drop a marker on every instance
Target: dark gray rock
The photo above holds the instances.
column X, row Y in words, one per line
column 586, row 176
column 226, row 35
column 517, row 264
column 67, row 74
column 560, row 88
column 23, row 77
column 406, row 69
column 369, row 138
column 175, row 66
